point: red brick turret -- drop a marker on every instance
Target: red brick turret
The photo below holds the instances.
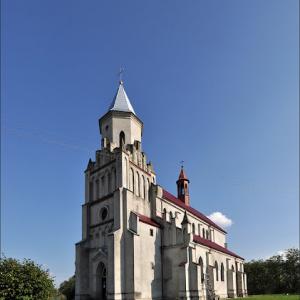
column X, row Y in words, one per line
column 183, row 187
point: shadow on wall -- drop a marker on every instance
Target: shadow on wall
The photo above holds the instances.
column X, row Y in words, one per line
column 156, row 283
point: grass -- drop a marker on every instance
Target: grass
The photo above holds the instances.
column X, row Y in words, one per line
column 273, row 297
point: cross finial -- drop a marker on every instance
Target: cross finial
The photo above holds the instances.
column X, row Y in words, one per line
column 120, row 74
column 182, row 162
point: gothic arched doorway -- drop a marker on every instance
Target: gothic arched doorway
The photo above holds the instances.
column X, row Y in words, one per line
column 101, row 282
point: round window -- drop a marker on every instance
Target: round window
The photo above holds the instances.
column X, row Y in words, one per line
column 104, row 213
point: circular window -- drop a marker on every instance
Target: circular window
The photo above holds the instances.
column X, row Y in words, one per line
column 104, row 213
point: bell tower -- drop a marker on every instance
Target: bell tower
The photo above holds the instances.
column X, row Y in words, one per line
column 120, row 126
column 183, row 187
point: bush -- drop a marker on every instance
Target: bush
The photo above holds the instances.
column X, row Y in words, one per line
column 67, row 288
column 24, row 280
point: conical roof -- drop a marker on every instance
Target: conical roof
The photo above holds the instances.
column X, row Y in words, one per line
column 185, row 219
column 182, row 175
column 121, row 101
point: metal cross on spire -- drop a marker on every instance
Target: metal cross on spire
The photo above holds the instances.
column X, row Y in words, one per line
column 120, row 74
column 182, row 162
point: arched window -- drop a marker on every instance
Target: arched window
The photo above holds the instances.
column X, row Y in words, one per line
column 109, row 187
column 232, row 268
column 181, row 191
column 171, row 216
column 131, row 180
column 193, row 228
column 199, row 229
column 148, row 188
column 106, row 183
column 207, row 234
column 115, row 179
column 203, row 233
column 126, row 173
column 102, row 189
column 138, row 183
column 164, row 213
column 222, row 272
column 91, row 191
column 97, row 189
column 143, row 186
column 217, row 271
column 121, row 139
column 201, row 269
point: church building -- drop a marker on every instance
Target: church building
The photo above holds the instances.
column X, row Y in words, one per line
column 139, row 241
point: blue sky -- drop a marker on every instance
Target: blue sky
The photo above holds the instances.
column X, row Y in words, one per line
column 215, row 83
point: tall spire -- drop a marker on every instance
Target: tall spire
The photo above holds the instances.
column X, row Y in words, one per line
column 121, row 101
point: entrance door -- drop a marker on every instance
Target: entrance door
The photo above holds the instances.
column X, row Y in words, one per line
column 101, row 283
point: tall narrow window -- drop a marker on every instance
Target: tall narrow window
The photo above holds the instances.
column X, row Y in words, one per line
column 102, row 190
column 193, row 228
column 143, row 187
column 201, row 268
column 126, row 173
column 122, row 139
column 109, row 183
column 148, row 189
column 222, row 272
column 164, row 213
column 207, row 234
column 182, row 190
column 138, row 183
column 199, row 229
column 203, row 233
column 91, row 191
column 217, row 271
column 115, row 179
column 97, row 189
column 131, row 180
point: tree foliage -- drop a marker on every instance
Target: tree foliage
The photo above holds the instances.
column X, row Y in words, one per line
column 278, row 274
column 67, row 288
column 24, row 280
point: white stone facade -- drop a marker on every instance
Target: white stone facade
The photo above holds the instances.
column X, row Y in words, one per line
column 139, row 241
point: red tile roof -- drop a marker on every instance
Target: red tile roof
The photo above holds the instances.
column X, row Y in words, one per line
column 191, row 210
column 147, row 220
column 198, row 239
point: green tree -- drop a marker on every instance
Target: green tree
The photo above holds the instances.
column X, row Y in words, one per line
column 24, row 280
column 67, row 288
column 278, row 274
column 291, row 271
column 256, row 274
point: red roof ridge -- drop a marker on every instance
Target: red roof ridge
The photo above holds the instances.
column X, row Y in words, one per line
column 198, row 239
column 147, row 220
column 190, row 209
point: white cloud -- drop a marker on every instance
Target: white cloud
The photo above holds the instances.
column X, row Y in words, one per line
column 220, row 219
column 280, row 252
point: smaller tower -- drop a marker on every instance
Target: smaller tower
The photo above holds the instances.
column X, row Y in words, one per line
column 183, row 187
